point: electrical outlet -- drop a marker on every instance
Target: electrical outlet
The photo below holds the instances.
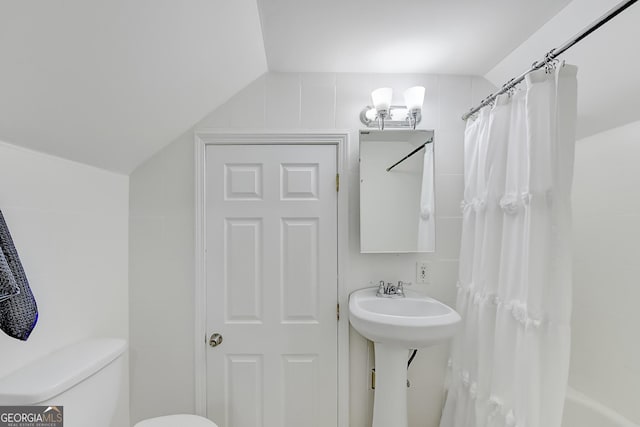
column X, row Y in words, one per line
column 423, row 272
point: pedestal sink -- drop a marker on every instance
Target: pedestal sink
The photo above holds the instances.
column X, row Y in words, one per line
column 396, row 325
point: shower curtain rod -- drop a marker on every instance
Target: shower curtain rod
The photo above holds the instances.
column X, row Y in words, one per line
column 409, row 155
column 553, row 54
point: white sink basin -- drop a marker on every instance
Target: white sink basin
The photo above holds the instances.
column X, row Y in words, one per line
column 414, row 321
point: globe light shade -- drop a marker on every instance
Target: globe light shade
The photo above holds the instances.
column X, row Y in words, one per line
column 414, row 97
column 382, row 98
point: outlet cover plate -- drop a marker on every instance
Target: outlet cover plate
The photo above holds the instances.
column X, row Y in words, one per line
column 423, row 272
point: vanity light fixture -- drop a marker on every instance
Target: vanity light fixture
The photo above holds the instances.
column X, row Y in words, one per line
column 382, row 102
column 413, row 98
column 399, row 116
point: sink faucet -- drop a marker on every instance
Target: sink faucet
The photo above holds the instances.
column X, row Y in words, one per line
column 389, row 290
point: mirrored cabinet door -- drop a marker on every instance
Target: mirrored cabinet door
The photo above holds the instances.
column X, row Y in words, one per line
column 397, row 203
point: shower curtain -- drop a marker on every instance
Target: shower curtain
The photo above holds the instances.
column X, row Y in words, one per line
column 510, row 359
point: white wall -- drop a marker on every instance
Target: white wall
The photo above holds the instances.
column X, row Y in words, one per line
column 605, row 361
column 69, row 225
column 162, row 229
column 161, row 277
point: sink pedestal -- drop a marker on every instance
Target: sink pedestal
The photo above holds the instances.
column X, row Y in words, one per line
column 390, row 396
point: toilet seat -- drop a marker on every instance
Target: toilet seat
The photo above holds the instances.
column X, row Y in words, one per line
column 182, row 420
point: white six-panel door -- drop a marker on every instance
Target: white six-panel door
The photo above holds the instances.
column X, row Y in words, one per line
column 271, row 273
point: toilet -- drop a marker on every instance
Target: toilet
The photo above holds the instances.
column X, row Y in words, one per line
column 84, row 378
column 176, row 421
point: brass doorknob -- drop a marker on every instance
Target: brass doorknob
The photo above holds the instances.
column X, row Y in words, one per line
column 215, row 340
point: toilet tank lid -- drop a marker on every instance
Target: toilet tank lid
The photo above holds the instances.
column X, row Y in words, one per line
column 55, row 373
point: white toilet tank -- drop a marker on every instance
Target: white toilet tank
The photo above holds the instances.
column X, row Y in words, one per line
column 84, row 378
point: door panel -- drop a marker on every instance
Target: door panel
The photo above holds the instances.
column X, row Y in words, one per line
column 300, row 382
column 271, row 268
column 243, row 270
column 299, row 266
column 244, row 389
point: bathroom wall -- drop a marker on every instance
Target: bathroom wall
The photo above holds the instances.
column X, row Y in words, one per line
column 162, row 246
column 605, row 360
column 69, row 223
column 161, row 277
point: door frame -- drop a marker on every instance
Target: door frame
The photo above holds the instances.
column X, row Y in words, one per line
column 339, row 139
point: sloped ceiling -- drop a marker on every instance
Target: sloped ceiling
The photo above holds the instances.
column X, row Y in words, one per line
column 400, row 36
column 608, row 62
column 109, row 82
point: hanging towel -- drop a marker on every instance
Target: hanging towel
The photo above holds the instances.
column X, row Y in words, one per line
column 18, row 313
column 8, row 286
column 426, row 223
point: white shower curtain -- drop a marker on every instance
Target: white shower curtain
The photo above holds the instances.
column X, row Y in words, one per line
column 510, row 359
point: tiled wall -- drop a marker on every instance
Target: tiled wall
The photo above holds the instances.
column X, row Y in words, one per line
column 290, row 102
column 161, row 277
column 605, row 356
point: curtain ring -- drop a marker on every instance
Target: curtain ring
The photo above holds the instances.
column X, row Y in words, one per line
column 550, row 62
column 509, row 83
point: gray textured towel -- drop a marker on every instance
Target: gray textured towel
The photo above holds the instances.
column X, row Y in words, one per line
column 19, row 313
column 8, row 286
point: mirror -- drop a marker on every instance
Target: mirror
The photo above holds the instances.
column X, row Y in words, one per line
column 397, row 206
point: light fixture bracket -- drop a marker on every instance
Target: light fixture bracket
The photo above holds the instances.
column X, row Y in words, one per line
column 398, row 116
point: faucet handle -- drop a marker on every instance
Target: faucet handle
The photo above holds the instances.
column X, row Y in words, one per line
column 401, row 285
column 400, row 288
column 381, row 288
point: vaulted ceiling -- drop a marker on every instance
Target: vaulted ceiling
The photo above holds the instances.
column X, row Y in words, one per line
column 400, row 36
column 110, row 82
